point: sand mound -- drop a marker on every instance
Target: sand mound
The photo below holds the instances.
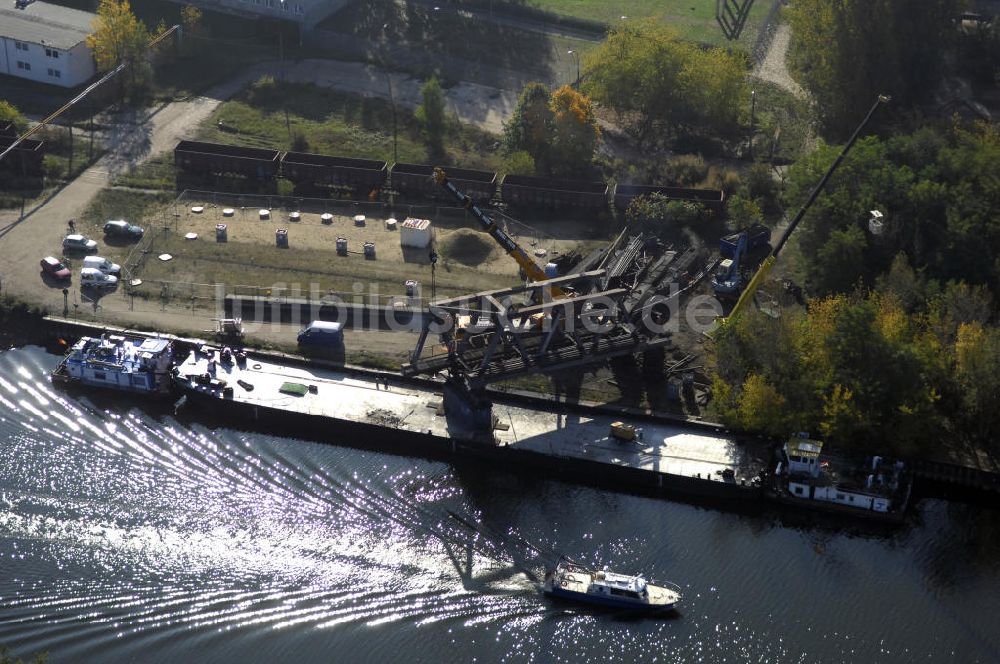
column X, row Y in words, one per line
column 468, row 247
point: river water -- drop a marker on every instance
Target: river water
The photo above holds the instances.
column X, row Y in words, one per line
column 129, row 533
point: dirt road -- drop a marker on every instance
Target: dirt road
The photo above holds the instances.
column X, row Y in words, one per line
column 774, row 66
column 135, row 138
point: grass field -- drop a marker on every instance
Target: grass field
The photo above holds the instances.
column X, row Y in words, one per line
column 331, row 122
column 694, row 19
column 340, row 123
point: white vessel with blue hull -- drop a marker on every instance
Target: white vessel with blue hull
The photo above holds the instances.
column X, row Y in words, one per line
column 133, row 365
column 576, row 582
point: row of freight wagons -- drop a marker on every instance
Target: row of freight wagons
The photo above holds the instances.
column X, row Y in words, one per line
column 26, row 158
column 366, row 175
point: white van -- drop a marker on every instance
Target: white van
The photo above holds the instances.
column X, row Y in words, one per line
column 102, row 264
column 94, row 278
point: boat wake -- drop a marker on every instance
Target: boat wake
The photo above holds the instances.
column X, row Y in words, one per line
column 156, row 527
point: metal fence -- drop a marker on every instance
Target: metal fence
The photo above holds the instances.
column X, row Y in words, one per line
column 241, row 203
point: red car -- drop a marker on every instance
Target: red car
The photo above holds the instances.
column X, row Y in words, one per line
column 55, row 268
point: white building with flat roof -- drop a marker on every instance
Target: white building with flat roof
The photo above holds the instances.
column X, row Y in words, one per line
column 46, row 43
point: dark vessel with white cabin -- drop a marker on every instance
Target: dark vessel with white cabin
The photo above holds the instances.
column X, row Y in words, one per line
column 119, row 363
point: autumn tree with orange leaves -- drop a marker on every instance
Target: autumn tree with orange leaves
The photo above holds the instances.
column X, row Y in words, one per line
column 575, row 131
column 557, row 130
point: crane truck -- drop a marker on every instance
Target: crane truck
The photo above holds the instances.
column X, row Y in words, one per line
column 768, row 263
column 465, row 328
column 528, row 266
column 735, row 250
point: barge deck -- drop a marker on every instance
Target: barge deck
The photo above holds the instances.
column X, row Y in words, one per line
column 361, row 410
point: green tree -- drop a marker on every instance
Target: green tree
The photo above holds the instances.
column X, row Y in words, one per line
column 119, row 37
column 857, row 369
column 660, row 216
column 761, row 185
column 839, row 262
column 938, row 192
column 519, row 163
column 194, row 29
column 431, row 116
column 529, row 128
column 743, row 211
column 643, row 70
column 848, row 51
column 191, row 18
column 8, row 113
column 716, row 91
column 574, row 131
column 761, row 407
column 977, row 352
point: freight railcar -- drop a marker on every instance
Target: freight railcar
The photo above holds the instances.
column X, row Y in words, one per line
column 216, row 159
column 530, row 191
column 418, row 180
column 362, row 175
column 25, row 159
column 713, row 199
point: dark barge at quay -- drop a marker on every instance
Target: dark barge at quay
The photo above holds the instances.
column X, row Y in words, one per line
column 876, row 489
column 572, row 444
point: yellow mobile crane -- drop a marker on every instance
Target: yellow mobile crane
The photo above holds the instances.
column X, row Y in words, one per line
column 768, row 263
column 531, row 270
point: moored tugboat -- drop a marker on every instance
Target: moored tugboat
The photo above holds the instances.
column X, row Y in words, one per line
column 573, row 581
column 876, row 488
column 139, row 365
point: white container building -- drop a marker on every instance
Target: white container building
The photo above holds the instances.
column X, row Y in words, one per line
column 46, row 43
column 415, row 233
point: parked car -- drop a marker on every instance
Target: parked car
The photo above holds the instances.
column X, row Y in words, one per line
column 91, row 277
column 55, row 268
column 102, row 264
column 77, row 242
column 123, row 229
column 321, row 334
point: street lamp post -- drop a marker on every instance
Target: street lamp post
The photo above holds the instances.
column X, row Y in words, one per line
column 392, row 97
column 281, row 73
column 576, row 56
column 753, row 110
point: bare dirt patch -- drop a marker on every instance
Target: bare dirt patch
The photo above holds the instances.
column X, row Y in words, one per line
column 470, row 260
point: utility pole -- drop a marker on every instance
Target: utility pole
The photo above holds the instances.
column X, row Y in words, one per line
column 90, row 148
column 69, row 171
column 281, row 74
column 392, row 97
column 576, row 56
column 433, row 256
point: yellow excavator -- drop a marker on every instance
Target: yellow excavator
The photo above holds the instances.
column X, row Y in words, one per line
column 765, row 267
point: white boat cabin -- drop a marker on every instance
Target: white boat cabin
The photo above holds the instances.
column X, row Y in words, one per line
column 140, row 365
column 618, row 586
column 814, row 478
